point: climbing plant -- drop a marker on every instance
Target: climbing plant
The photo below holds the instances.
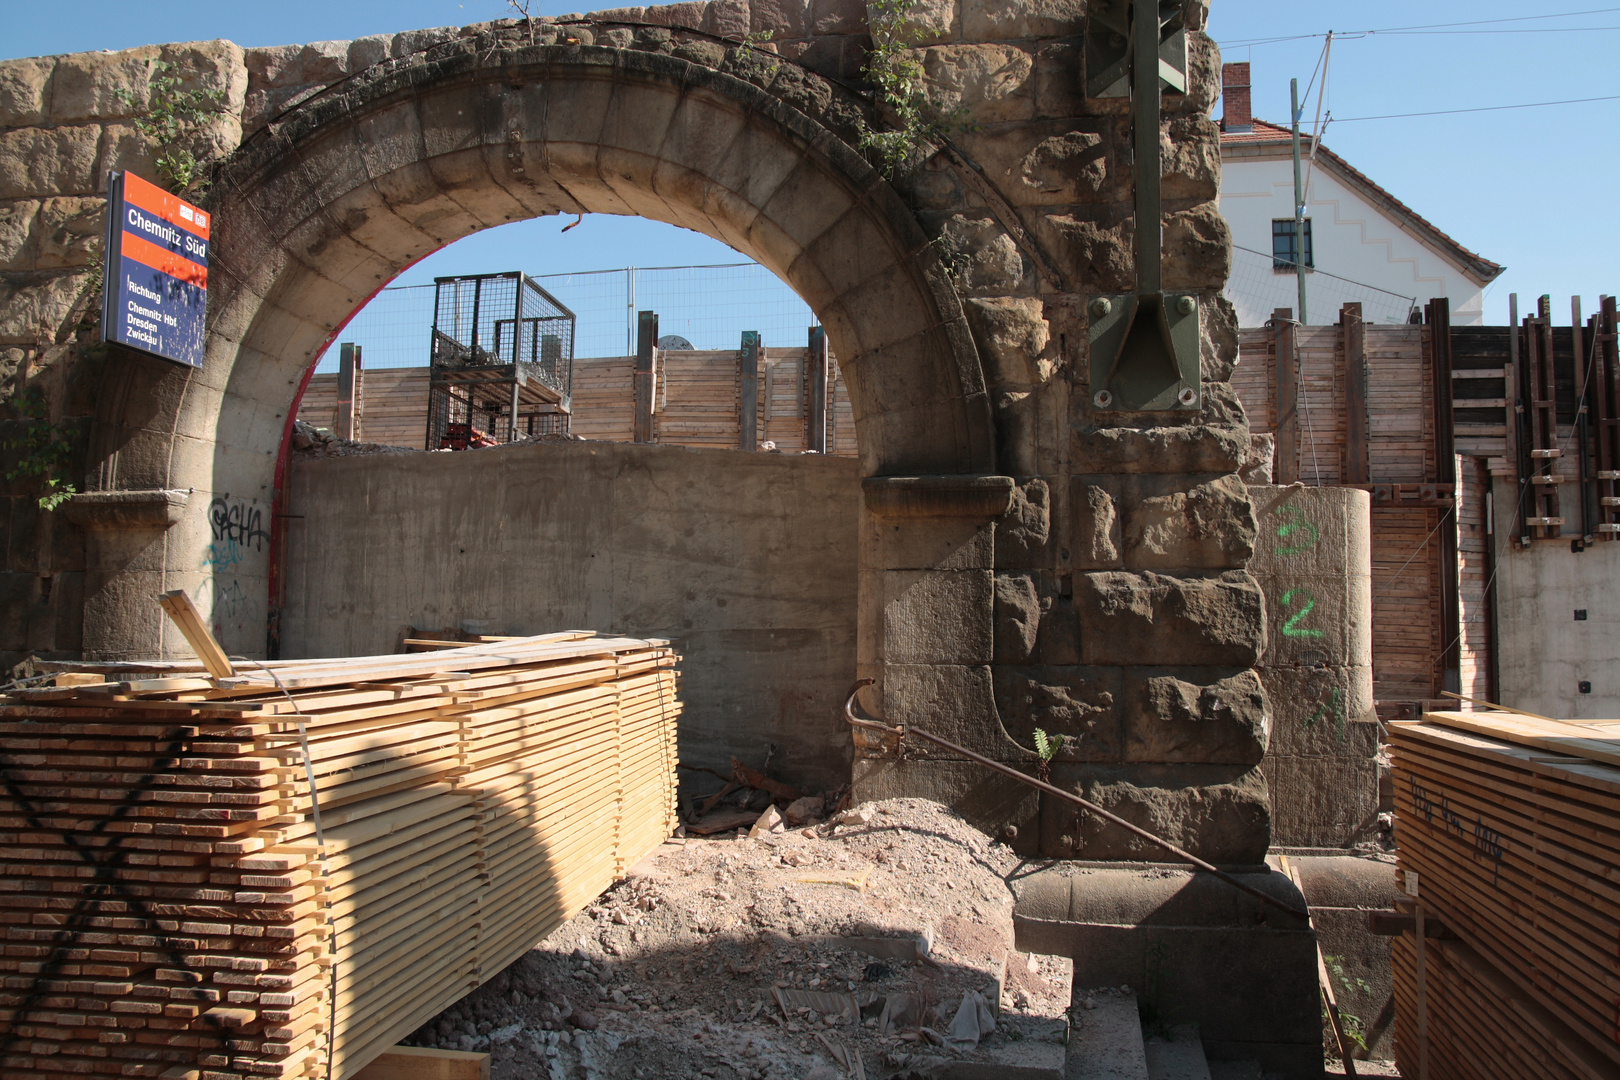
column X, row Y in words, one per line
column 170, row 120
column 41, row 447
column 896, row 76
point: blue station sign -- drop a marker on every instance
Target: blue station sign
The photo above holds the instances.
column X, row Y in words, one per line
column 156, row 276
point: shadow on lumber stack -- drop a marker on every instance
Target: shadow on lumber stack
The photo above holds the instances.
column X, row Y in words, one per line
column 178, row 900
column 1508, row 830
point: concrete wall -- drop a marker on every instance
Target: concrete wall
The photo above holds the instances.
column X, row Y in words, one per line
column 1544, row 653
column 746, row 560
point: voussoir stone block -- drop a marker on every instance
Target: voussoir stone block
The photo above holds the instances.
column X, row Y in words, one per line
column 1221, row 813
column 1174, row 525
column 1129, row 619
column 1170, row 719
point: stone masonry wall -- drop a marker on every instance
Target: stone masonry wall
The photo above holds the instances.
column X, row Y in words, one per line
column 1096, row 590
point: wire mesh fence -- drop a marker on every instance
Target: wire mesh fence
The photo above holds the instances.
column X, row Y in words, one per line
column 1256, row 288
column 709, row 306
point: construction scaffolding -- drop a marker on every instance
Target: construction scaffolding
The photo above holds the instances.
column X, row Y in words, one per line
column 502, row 358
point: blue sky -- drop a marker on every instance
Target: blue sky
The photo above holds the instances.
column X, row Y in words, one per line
column 1530, row 188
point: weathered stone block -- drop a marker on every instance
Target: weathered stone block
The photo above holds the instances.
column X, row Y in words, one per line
column 927, row 543
column 16, row 222
column 1192, row 159
column 413, row 41
column 38, row 306
column 955, row 702
column 24, row 86
column 1169, row 719
column 1199, row 448
column 990, row 83
column 1322, row 801
column 1218, row 812
column 1012, row 335
column 41, row 163
column 91, row 85
column 1173, row 526
column 67, row 232
column 1218, row 347
column 1096, row 543
column 1197, row 248
column 838, row 16
column 1059, row 86
column 122, row 148
column 1094, row 243
column 783, row 20
column 1000, row 20
column 984, row 259
column 1023, row 533
column 366, row 51
column 937, row 617
column 1018, row 618
column 1059, row 640
column 1070, row 167
column 1127, row 619
column 216, row 66
column 1080, row 704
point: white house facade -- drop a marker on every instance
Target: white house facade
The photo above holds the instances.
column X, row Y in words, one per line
column 1362, row 244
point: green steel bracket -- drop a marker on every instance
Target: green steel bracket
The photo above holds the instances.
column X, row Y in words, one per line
column 1144, row 345
column 1144, row 352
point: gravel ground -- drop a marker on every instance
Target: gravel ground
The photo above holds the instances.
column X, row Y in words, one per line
column 698, row 964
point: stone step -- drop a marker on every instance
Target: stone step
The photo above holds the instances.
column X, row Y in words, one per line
column 1179, row 1057
column 1106, row 1040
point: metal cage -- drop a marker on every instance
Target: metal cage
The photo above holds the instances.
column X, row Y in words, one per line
column 502, row 361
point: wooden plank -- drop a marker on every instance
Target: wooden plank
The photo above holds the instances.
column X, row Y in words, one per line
column 748, row 391
column 1357, row 463
column 645, row 379
column 1285, row 374
column 816, row 421
column 189, row 621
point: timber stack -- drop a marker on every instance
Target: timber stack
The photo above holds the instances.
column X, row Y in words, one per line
column 282, row 872
column 1508, row 833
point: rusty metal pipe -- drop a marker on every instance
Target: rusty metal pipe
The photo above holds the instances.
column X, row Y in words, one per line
column 900, row 731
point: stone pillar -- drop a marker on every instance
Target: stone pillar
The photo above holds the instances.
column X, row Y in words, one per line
column 1313, row 560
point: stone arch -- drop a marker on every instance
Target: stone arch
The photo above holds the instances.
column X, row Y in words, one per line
column 321, row 209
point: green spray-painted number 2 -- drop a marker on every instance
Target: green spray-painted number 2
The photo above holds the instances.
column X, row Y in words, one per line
column 1296, row 523
column 1291, row 628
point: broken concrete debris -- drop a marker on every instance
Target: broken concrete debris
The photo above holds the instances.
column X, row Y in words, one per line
column 750, row 958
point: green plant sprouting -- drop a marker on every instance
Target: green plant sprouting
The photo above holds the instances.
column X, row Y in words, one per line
column 896, row 75
column 1047, row 747
column 1355, row 1029
column 171, row 119
column 43, row 452
column 753, row 62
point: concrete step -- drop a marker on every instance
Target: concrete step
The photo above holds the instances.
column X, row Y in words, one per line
column 1179, row 1057
column 1105, row 1042
column 1235, row 1070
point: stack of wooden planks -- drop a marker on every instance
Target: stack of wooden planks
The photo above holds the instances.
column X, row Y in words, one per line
column 283, row 872
column 1508, row 830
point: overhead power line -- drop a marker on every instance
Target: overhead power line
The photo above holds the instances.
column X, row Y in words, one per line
column 1469, row 27
column 1485, row 108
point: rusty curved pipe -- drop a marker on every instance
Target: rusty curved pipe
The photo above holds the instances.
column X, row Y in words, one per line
column 900, row 731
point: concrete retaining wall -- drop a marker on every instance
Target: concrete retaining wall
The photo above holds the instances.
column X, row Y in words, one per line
column 746, row 560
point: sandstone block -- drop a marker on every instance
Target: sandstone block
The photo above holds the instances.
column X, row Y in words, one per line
column 41, row 162
column 87, row 85
column 1023, row 532
column 1080, row 704
column 1018, row 618
column 955, row 702
column 324, row 62
column 989, row 83
column 937, row 617
column 24, row 85
column 16, row 222
column 928, row 543
column 1169, row 719
column 1128, row 619
column 1197, row 248
column 1321, row 802
column 1174, row 526
column 122, row 147
column 1199, row 448
column 68, row 232
column 1012, row 335
column 934, row 21
column 1221, row 813
column 413, row 41
column 838, row 16
column 1218, row 349
column 1312, row 531
column 1094, row 244
column 1192, row 159
column 1058, row 644
column 1000, row 20
column 1059, row 89
column 983, row 258
column 784, row 20
column 1097, row 542
column 274, row 68
column 369, row 50
column 217, row 66
column 1070, row 167
column 727, row 18
column 38, row 306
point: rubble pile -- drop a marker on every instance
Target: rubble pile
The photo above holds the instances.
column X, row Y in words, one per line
column 875, row 943
column 311, row 441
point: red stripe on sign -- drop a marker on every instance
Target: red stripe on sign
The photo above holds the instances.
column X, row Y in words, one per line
column 162, row 259
column 154, row 200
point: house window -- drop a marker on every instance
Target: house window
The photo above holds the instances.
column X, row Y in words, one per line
column 1284, row 253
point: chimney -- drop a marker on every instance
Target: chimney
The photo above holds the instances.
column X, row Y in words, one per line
column 1237, row 114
